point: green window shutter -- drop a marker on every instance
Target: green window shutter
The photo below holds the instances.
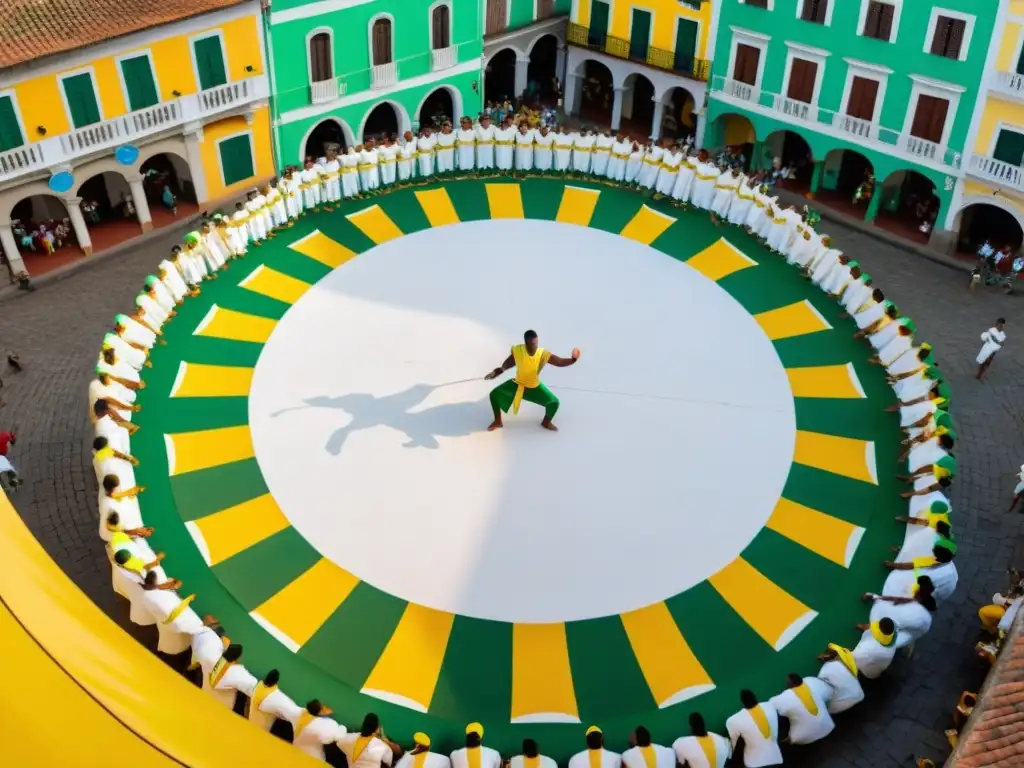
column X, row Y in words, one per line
column 139, row 82
column 686, row 45
column 10, row 131
column 640, row 35
column 598, row 30
column 236, row 159
column 210, row 62
column 1010, row 148
column 81, row 97
column 1020, row 63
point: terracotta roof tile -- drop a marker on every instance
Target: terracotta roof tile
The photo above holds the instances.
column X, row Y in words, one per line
column 34, row 28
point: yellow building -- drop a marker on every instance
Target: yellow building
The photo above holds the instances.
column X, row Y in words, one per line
column 640, row 65
column 106, row 108
column 988, row 203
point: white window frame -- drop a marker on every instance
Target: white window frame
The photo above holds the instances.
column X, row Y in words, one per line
column 91, row 71
column 924, row 86
column 754, row 40
column 999, row 128
column 451, row 21
column 369, row 36
column 12, row 94
column 309, row 59
column 223, row 54
column 867, row 71
column 634, row 7
column 252, row 149
column 800, row 51
column 828, row 11
column 148, row 53
column 771, row 5
column 675, row 34
column 896, row 14
column 933, row 23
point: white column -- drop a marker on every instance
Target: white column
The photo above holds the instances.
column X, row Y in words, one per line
column 141, row 203
column 659, row 114
column 560, row 62
column 10, row 248
column 617, row 108
column 193, row 138
column 78, row 224
column 572, row 94
column 702, row 124
column 521, row 67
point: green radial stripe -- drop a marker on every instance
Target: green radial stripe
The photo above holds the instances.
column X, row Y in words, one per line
column 242, row 300
column 847, row 418
column 201, row 493
column 470, row 201
column 349, row 643
column 849, row 500
column 208, row 351
column 405, row 211
column 190, row 414
column 614, row 210
column 294, row 264
column 476, row 676
column 805, row 575
column 606, row 676
column 541, row 199
column 258, row 573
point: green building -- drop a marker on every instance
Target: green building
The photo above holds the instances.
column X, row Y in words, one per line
column 855, row 89
column 341, row 69
column 524, row 46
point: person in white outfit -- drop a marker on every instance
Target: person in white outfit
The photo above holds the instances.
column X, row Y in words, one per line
column 543, row 154
column 388, row 162
column 741, row 204
column 407, row 158
column 278, row 210
column 531, row 757
column 707, row 174
column 485, row 143
column 310, row 187
column 652, row 164
column 425, row 152
column 226, row 678
column 757, row 725
column 269, row 704
column 634, row 163
column 420, row 755
column 465, row 142
column 583, row 151
column 474, row 754
column 602, row 154
column 595, row 755
column 369, row 748
column 172, row 278
column 783, row 230
column 993, row 339
column 445, row 149
column 563, row 150
column 504, row 146
column 350, row 173
column 726, row 191
column 524, row 149
column 313, row 728
column 839, row 672
column 369, row 167
column 617, row 162
column 701, row 749
column 644, row 754
column 805, row 704
column 669, row 171
column 332, row 185
column 877, row 648
column 684, row 181
column 291, row 189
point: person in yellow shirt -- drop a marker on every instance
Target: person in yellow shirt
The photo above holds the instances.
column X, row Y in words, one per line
column 528, row 358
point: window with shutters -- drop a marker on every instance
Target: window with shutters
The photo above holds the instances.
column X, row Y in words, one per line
column 930, row 118
column 545, row 9
column 139, row 82
column 878, row 23
column 863, row 97
column 440, row 27
column 497, row 16
column 815, row 10
column 757, row 3
column 1009, row 148
column 10, row 129
column 321, row 60
column 948, row 39
column 747, row 60
column 235, row 155
column 382, row 49
column 802, row 74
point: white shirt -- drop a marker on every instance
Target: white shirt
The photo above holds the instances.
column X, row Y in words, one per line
column 608, row 759
column 276, row 705
column 432, row 760
column 846, row 689
column 376, row 752
column 872, row 657
column 543, row 761
column 320, row 731
column 757, row 750
column 664, row 757
column 805, row 727
column 489, row 758
column 690, row 753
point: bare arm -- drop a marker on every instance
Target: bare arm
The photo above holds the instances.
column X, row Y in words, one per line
column 561, row 362
column 509, row 362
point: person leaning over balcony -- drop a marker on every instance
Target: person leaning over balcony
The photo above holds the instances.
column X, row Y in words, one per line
column 314, row 728
column 805, row 704
column 420, row 755
column 474, row 754
column 595, row 755
column 531, row 757
column 268, row 703
column 642, row 753
column 465, row 143
column 369, row 748
column 757, row 725
column 701, row 749
column 485, row 132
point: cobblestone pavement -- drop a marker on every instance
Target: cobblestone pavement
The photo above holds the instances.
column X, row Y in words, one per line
column 57, row 329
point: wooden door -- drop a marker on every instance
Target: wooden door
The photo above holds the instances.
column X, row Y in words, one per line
column 863, row 95
column 210, row 62
column 930, row 118
column 640, row 35
column 441, row 27
column 81, row 97
column 747, row 60
column 802, row 75
column 139, row 82
column 10, row 130
column 320, row 65
column 545, row 9
column 686, row 46
column 382, row 53
column 497, row 15
column 598, row 31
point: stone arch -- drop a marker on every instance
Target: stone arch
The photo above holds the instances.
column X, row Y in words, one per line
column 168, row 168
column 518, row 54
column 401, row 120
column 594, row 91
column 908, row 198
column 794, row 150
column 104, row 186
column 173, row 146
column 542, row 69
column 733, row 128
column 638, row 98
column 437, row 96
column 348, row 138
column 538, row 38
column 844, row 170
column 679, row 117
column 38, row 207
column 982, row 217
column 500, row 74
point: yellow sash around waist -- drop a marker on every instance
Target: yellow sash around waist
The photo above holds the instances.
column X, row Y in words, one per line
column 651, row 161
column 364, row 166
column 759, row 203
column 387, row 160
column 562, row 146
column 745, row 197
column 419, row 759
column 262, row 691
column 304, row 719
column 527, row 371
column 349, row 169
column 583, row 149
column 219, row 670
column 620, row 156
column 602, row 149
column 425, row 153
column 503, row 143
column 445, row 149
column 779, row 221
column 531, row 762
column 702, row 177
column 359, row 747
column 484, row 142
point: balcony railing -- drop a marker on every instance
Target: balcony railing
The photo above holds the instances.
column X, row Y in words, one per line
column 326, row 90
column 443, row 58
column 107, row 134
column 383, row 75
column 669, row 61
column 854, row 130
column 996, row 172
column 1009, row 83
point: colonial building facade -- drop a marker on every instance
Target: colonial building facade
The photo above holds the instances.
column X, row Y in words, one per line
column 524, row 47
column 343, row 69
column 102, row 125
column 641, row 65
column 870, row 100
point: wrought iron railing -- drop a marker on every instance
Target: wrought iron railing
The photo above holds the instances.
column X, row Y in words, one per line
column 659, row 58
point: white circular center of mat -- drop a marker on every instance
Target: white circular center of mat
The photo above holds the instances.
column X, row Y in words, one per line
column 677, row 425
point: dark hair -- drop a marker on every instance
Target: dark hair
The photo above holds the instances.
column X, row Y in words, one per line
column 877, row 295
column 643, row 736
column 272, row 677
column 529, row 336
column 943, row 527
column 99, row 443
column 795, row 679
column 1001, row 320
column 945, row 482
column 697, row 726
column 473, row 740
column 942, row 554
column 595, row 740
column 100, row 407
column 946, row 441
column 371, row 724
column 233, row 652
column 530, row 748
column 887, row 625
column 113, row 518
column 748, row 698
column 110, row 482
column 150, row 580
column 122, row 556
column 314, row 707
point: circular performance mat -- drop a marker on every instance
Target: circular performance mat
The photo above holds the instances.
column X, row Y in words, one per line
column 314, row 444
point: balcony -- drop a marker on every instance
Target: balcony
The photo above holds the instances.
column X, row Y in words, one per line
column 851, row 129
column 130, row 128
column 996, row 172
column 1008, row 84
column 383, row 75
column 443, row 58
column 326, row 90
column 620, row 48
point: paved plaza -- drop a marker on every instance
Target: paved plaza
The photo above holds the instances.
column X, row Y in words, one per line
column 57, row 330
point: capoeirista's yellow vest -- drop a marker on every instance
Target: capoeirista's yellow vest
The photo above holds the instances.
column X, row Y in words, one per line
column 527, row 371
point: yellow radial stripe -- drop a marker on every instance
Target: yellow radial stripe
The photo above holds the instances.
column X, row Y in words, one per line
column 406, row 673
column 438, row 207
column 794, row 320
column 275, row 285
column 226, row 533
column 720, row 260
column 830, row 381
column 647, row 226
column 192, row 451
column 221, row 323
column 295, row 613
column 542, row 690
column 672, row 671
column 319, row 247
column 198, row 380
column 375, row 224
column 828, row 536
column 577, row 206
column 505, row 201
column 844, row 456
column 773, row 613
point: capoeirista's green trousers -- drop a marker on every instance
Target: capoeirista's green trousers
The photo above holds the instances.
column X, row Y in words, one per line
column 503, row 395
